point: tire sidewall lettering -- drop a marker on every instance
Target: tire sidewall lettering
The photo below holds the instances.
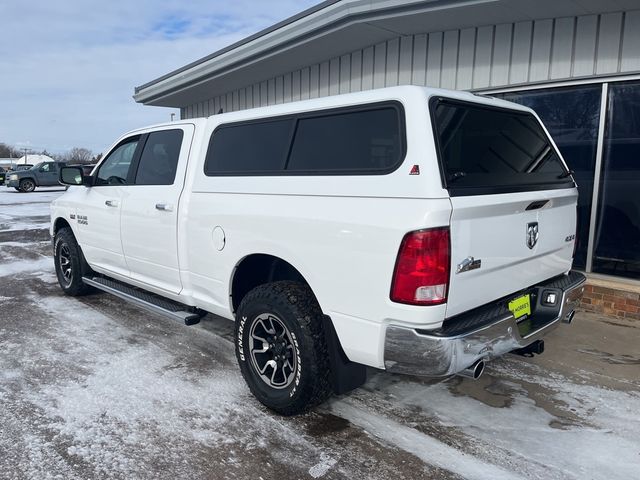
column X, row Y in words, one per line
column 294, row 306
column 240, row 340
column 296, row 382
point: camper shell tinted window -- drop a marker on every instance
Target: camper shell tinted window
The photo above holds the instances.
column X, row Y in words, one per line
column 484, row 150
column 366, row 140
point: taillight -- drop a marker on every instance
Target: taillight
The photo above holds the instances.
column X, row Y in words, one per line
column 421, row 276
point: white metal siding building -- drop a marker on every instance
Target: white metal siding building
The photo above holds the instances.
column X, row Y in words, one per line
column 474, row 58
column 577, row 62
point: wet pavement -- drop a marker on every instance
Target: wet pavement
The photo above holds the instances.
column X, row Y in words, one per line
column 96, row 388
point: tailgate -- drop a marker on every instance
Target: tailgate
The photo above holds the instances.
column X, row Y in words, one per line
column 513, row 200
column 514, row 245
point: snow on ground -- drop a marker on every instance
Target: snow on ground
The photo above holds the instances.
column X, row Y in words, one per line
column 41, row 195
column 95, row 388
column 600, row 440
column 26, row 211
column 21, row 266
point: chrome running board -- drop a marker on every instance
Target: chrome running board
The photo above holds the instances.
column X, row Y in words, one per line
column 148, row 301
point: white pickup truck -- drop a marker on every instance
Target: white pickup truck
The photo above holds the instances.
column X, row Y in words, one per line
column 410, row 229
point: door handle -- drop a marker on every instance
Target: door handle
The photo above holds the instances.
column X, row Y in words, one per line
column 164, row 207
column 111, row 203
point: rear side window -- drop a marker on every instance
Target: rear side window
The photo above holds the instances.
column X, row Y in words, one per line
column 339, row 142
column 250, row 147
column 358, row 141
column 159, row 159
column 494, row 150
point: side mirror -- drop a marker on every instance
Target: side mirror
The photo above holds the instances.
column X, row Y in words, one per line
column 74, row 176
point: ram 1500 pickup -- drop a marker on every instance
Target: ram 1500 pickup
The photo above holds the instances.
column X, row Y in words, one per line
column 410, row 229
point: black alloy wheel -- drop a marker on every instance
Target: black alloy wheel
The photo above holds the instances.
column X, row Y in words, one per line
column 281, row 347
column 70, row 263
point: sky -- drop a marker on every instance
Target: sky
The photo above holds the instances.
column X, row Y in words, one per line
column 68, row 68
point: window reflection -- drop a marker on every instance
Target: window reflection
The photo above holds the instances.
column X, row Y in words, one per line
column 617, row 239
column 571, row 115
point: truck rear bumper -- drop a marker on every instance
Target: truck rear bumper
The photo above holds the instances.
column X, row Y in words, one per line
column 481, row 334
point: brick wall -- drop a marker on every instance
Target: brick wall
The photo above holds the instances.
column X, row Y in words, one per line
column 611, row 301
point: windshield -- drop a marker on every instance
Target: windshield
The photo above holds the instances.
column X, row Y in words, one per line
column 37, row 166
column 485, row 149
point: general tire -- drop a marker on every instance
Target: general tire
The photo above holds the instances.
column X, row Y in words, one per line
column 70, row 263
column 27, row 185
column 293, row 306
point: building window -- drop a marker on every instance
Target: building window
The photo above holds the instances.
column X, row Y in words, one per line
column 617, row 230
column 571, row 115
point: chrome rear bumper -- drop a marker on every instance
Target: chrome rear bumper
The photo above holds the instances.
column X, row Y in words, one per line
column 485, row 333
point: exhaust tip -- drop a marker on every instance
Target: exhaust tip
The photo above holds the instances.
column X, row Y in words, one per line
column 474, row 371
column 569, row 317
column 478, row 370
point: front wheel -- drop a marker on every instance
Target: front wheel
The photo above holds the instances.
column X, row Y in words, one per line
column 281, row 347
column 70, row 263
column 27, row 185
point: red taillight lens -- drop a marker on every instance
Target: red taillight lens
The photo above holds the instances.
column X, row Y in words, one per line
column 421, row 276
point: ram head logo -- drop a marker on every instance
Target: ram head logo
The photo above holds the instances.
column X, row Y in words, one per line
column 532, row 234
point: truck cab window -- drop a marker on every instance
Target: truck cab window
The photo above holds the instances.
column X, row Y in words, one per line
column 159, row 159
column 115, row 168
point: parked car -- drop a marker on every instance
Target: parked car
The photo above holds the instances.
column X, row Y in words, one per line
column 44, row 174
column 2, row 175
column 410, row 229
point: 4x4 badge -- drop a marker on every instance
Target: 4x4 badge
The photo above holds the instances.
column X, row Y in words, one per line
column 532, row 234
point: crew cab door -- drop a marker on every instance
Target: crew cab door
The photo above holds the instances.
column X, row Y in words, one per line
column 47, row 174
column 513, row 199
column 150, row 207
column 98, row 213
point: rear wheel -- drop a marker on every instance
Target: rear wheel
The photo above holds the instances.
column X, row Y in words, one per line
column 70, row 263
column 27, row 185
column 281, row 347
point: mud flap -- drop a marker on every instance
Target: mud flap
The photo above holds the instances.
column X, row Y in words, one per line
column 345, row 374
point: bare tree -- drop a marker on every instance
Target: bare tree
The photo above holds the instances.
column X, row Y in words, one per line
column 7, row 151
column 79, row 155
